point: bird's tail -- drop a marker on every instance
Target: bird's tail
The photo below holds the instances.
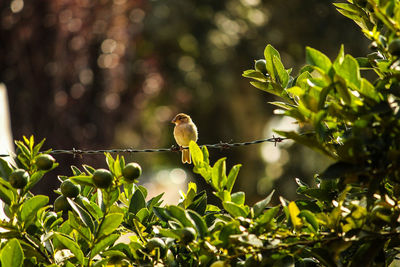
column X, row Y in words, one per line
column 186, row 156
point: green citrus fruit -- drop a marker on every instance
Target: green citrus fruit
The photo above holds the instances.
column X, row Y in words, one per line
column 102, row 178
column 394, row 47
column 69, row 189
column 61, row 204
column 18, row 178
column 261, row 65
column 44, row 162
column 132, row 171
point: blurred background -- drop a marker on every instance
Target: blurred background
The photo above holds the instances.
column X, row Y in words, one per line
column 113, row 73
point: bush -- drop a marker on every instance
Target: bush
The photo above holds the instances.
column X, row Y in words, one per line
column 351, row 218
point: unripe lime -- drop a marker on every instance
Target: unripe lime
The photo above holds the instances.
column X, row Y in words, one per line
column 61, row 204
column 44, row 162
column 132, row 171
column 69, row 189
column 18, row 178
column 394, row 47
column 261, row 65
column 102, row 178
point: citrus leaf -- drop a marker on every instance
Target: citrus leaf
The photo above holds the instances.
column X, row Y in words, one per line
column 318, row 59
column 103, row 243
column 234, row 209
column 12, row 254
column 30, row 207
column 293, row 213
column 137, row 202
column 238, row 198
column 233, row 173
column 219, row 178
column 5, row 169
column 82, row 180
column 269, row 53
column 180, row 215
column 199, row 223
column 83, row 215
column 110, row 223
column 71, row 245
column 196, row 153
column 259, row 207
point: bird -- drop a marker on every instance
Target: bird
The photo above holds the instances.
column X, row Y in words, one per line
column 184, row 132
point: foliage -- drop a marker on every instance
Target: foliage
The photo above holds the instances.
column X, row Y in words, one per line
column 351, row 218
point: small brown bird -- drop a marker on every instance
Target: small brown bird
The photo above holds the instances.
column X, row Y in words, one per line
column 184, row 132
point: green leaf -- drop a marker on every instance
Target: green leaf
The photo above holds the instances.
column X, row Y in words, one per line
column 234, row 209
column 162, row 213
column 349, row 71
column 5, row 169
column 223, row 195
column 137, row 202
column 310, row 218
column 205, row 154
column 269, row 54
column 199, row 203
column 268, row 215
column 83, row 215
column 110, row 223
column 219, row 178
column 233, row 173
column 293, row 213
column 368, row 90
column 71, row 245
column 280, row 71
column 110, row 162
column 259, row 207
column 318, row 59
column 103, row 243
column 283, row 105
column 82, row 180
column 196, row 153
column 76, row 223
column 270, row 87
column 142, row 214
column 238, row 198
column 199, row 223
column 180, row 215
column 36, row 177
column 12, row 254
column 6, row 194
column 37, row 147
column 30, row 207
column 254, row 74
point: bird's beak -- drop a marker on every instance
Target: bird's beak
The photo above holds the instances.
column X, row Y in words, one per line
column 174, row 120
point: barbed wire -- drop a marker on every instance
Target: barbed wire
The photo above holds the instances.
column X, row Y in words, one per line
column 221, row 145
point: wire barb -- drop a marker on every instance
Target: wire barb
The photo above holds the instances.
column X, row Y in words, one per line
column 174, row 148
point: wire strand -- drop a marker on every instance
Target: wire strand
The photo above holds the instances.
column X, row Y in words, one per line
column 221, row 145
